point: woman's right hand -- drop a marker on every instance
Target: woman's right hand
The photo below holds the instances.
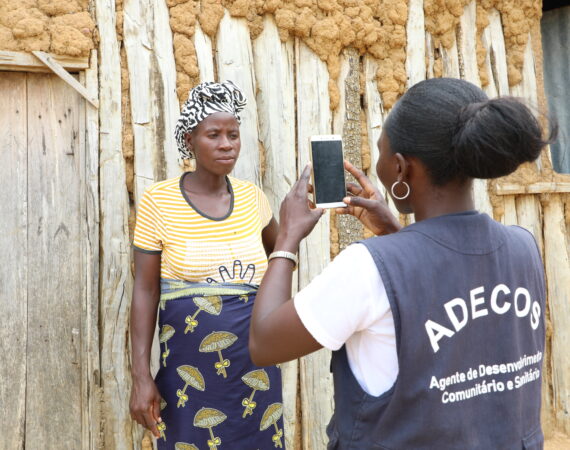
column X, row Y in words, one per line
column 368, row 205
column 145, row 404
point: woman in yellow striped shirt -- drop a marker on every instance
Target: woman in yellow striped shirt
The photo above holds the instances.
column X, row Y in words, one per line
column 201, row 241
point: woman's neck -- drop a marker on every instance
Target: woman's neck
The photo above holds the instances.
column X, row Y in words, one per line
column 438, row 201
column 202, row 182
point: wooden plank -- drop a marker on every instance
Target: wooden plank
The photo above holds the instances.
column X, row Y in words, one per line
column 347, row 123
column 119, row 432
column 274, row 62
column 467, row 48
column 13, row 241
column 204, row 54
column 540, row 187
column 416, row 43
column 164, row 87
column 339, row 114
column 496, row 58
column 510, row 208
column 235, row 62
column 90, row 190
column 55, row 258
column 313, row 117
column 430, row 56
column 154, row 105
column 557, row 263
column 82, row 347
column 65, row 76
column 27, row 62
column 468, row 43
column 450, row 61
column 529, row 216
column 528, row 87
column 137, row 34
column 375, row 116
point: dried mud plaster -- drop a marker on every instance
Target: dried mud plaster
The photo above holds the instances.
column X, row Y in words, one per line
column 372, row 27
column 183, row 15
column 63, row 27
column 517, row 16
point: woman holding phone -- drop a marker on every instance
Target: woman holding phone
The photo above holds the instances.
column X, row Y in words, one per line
column 437, row 328
column 200, row 243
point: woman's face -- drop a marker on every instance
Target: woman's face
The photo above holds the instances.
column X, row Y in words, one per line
column 215, row 143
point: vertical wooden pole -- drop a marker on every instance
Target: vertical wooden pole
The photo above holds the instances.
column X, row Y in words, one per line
column 313, row 117
column 13, row 236
column 90, row 346
column 115, row 266
column 235, row 62
column 274, row 62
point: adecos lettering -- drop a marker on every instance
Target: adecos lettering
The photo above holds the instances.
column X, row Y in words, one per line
column 501, row 301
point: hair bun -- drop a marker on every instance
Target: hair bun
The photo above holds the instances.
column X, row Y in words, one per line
column 493, row 137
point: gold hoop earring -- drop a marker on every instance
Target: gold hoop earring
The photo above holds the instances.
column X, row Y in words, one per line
column 403, row 197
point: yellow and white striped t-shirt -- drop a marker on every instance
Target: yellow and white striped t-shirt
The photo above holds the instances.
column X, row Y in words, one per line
column 198, row 248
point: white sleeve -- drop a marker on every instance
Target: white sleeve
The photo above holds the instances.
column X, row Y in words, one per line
column 347, row 297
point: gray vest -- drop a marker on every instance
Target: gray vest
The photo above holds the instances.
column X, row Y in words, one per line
column 468, row 297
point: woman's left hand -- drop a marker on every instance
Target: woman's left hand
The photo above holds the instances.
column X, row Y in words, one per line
column 296, row 217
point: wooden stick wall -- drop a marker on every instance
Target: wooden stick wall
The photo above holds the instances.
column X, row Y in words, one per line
column 287, row 88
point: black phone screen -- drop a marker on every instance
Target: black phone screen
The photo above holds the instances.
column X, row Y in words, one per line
column 328, row 171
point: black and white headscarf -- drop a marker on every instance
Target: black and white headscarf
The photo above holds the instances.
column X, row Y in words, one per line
column 205, row 99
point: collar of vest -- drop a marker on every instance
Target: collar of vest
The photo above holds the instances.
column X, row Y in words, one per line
column 468, row 232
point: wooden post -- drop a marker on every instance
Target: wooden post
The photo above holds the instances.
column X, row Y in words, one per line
column 346, row 122
column 235, row 62
column 274, row 63
column 416, row 43
column 313, row 117
column 56, row 292
column 14, row 229
column 163, row 84
column 116, row 278
column 557, row 261
column 91, row 423
column 204, row 54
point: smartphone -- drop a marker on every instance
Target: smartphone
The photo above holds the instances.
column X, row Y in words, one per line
column 329, row 185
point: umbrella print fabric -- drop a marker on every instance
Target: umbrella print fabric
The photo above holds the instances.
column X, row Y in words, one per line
column 216, row 342
column 184, row 446
column 166, row 333
column 270, row 417
column 192, row 377
column 258, row 380
column 213, row 395
column 212, row 305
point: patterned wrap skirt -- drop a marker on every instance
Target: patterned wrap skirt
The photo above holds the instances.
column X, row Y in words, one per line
column 214, row 397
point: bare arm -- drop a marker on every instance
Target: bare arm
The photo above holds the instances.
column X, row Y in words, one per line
column 269, row 235
column 145, row 399
column 276, row 331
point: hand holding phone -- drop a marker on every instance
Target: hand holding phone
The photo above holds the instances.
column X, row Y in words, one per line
column 296, row 217
column 329, row 185
column 367, row 204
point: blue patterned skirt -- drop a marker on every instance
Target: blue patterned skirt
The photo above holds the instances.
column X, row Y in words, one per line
column 213, row 395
